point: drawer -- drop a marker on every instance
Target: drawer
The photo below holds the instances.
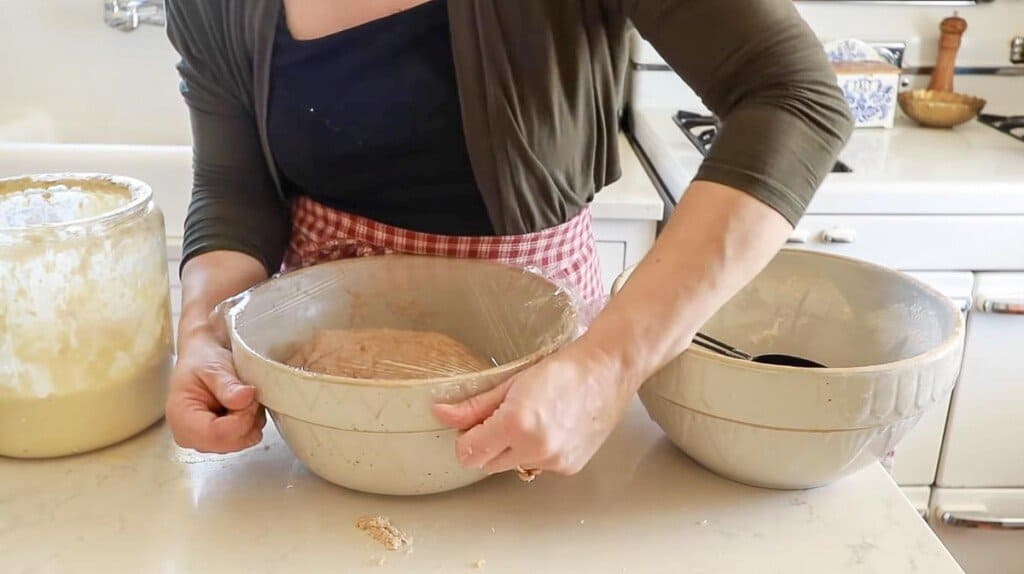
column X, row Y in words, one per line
column 612, row 256
column 982, row 445
column 922, row 242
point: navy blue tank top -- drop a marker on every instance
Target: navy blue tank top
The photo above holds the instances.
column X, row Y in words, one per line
column 367, row 120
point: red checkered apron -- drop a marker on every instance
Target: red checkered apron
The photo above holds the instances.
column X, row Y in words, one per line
column 565, row 254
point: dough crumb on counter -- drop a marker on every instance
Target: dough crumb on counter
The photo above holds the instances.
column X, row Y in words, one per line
column 380, row 529
column 527, row 474
column 479, row 564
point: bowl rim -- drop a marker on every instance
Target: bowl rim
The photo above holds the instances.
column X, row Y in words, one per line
column 510, row 367
column 140, row 195
column 952, row 341
column 954, row 98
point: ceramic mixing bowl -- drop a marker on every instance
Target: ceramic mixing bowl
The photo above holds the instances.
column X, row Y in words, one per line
column 380, row 435
column 892, row 345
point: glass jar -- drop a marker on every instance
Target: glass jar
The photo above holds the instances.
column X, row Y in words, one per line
column 85, row 318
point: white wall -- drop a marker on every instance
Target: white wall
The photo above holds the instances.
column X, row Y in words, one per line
column 69, row 78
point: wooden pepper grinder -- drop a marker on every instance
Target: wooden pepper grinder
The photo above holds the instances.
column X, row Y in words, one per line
column 952, row 29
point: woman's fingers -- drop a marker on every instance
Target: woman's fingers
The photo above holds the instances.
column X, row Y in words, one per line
column 473, row 410
column 482, row 443
column 200, row 429
column 504, row 462
column 220, row 379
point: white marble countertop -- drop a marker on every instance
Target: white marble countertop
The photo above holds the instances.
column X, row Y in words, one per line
column 147, row 506
column 971, row 169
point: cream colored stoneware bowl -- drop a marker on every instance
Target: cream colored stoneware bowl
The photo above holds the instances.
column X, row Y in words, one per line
column 892, row 345
column 376, row 435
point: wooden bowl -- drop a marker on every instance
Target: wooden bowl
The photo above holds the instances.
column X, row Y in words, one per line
column 940, row 109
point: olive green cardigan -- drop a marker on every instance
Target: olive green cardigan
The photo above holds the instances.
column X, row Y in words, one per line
column 540, row 83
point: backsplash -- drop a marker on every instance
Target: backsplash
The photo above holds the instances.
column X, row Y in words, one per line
column 986, row 43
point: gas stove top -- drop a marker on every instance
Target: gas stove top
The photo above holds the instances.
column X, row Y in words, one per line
column 1012, row 126
column 702, row 129
column 906, row 170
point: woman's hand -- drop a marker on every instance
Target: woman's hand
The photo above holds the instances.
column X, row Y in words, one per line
column 551, row 417
column 555, row 415
column 208, row 408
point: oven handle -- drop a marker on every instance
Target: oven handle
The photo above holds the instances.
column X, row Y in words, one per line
column 969, row 519
column 1002, row 306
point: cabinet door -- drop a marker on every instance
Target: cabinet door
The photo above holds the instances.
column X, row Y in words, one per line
column 917, row 455
column 621, row 243
column 984, row 442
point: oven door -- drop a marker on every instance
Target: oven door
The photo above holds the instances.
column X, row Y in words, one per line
column 982, row 528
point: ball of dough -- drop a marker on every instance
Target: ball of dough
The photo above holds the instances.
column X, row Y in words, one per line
column 386, row 354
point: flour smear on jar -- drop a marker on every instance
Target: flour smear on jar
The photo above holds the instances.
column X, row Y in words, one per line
column 85, row 330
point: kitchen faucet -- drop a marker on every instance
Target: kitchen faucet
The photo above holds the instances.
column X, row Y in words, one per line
column 128, row 15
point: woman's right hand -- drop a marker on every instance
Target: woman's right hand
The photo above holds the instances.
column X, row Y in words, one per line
column 208, row 408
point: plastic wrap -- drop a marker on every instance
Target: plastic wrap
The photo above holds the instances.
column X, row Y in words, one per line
column 445, row 317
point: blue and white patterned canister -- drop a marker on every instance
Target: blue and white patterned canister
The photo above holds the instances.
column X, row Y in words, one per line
column 869, row 83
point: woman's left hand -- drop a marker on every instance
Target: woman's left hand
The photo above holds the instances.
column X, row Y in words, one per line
column 551, row 417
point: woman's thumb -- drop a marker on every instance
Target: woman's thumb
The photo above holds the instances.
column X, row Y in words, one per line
column 228, row 390
column 472, row 411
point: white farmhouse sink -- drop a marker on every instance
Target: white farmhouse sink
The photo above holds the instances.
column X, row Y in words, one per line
column 83, row 97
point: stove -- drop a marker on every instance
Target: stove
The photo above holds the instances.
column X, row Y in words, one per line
column 1012, row 126
column 701, row 130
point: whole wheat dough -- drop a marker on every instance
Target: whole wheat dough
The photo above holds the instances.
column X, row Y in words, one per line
column 386, row 354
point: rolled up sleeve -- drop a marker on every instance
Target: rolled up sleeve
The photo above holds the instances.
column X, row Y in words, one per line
column 759, row 67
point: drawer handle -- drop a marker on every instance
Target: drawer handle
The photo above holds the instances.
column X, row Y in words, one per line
column 1002, row 306
column 839, row 235
column 982, row 520
column 798, row 236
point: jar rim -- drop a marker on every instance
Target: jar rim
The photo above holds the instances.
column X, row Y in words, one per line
column 141, row 195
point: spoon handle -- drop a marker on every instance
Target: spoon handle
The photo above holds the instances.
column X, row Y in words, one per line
column 712, row 344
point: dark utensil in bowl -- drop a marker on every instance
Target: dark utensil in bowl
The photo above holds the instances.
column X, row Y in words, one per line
column 712, row 344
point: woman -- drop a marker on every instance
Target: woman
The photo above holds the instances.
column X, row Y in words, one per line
column 328, row 128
